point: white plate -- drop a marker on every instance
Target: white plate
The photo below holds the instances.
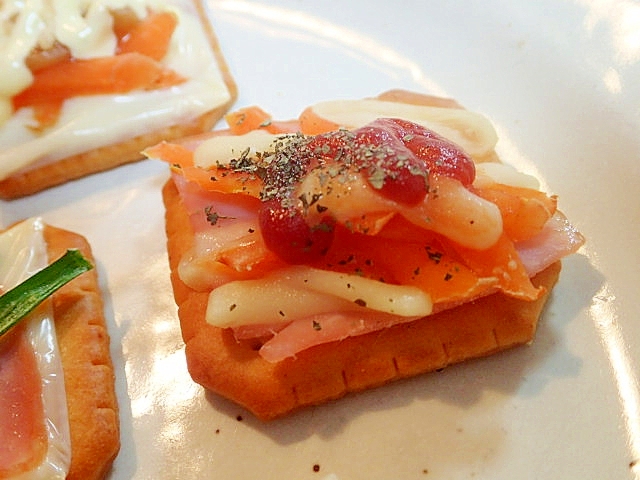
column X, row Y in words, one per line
column 560, row 79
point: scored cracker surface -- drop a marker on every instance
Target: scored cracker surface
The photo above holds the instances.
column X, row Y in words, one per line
column 88, row 369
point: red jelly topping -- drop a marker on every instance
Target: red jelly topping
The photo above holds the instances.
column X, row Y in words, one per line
column 286, row 233
column 396, row 157
column 440, row 156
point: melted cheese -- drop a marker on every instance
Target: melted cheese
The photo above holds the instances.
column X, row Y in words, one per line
column 493, row 172
column 299, row 292
column 90, row 122
column 469, row 130
column 22, row 253
column 221, row 149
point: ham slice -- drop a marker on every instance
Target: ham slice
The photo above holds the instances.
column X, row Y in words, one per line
column 557, row 240
column 324, row 328
column 23, row 437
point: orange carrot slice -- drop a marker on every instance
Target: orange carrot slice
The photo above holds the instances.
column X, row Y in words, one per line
column 46, row 114
column 247, row 119
column 524, row 210
column 172, row 153
column 103, row 75
column 423, row 261
column 151, row 36
column 312, row 124
column 502, row 262
column 213, row 180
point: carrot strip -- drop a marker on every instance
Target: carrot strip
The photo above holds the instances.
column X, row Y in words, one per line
column 172, row 153
column 150, row 37
column 247, row 119
column 287, row 126
column 251, row 118
column 524, row 210
column 46, row 114
column 503, row 262
column 422, row 260
column 312, row 124
column 103, row 75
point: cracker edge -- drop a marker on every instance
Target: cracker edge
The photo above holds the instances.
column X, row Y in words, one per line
column 88, row 369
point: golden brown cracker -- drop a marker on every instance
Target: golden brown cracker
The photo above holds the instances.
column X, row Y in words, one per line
column 235, row 370
column 88, row 370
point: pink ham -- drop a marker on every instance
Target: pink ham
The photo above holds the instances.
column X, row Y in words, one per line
column 307, row 332
column 557, row 240
column 23, row 436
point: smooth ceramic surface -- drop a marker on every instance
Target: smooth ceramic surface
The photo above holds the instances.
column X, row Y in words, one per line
column 561, row 82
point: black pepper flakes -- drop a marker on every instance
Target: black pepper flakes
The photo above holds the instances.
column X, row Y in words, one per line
column 212, row 216
column 361, row 302
column 316, row 467
column 435, row 257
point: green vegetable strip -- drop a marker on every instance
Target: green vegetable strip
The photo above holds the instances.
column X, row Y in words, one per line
column 18, row 302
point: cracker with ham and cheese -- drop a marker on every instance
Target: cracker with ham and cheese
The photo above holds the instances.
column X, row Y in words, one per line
column 363, row 242
column 86, row 85
column 60, row 418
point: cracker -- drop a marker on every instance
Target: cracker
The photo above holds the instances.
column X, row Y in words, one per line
column 235, row 370
column 88, row 370
column 104, row 158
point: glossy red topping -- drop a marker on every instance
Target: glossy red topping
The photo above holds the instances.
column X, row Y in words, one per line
column 287, row 234
column 441, row 157
column 395, row 156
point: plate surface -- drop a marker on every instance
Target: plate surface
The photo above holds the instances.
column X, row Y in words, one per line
column 559, row 79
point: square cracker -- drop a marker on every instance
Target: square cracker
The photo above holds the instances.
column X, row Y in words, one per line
column 235, row 370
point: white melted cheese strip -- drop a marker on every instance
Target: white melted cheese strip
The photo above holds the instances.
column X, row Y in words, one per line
column 469, row 130
column 494, row 172
column 300, row 291
column 95, row 121
column 23, row 252
column 221, row 149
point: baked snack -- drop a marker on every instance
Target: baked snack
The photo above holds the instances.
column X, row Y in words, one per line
column 87, row 100
column 366, row 249
column 90, row 421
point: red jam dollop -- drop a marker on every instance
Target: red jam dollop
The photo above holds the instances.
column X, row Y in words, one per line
column 395, row 156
